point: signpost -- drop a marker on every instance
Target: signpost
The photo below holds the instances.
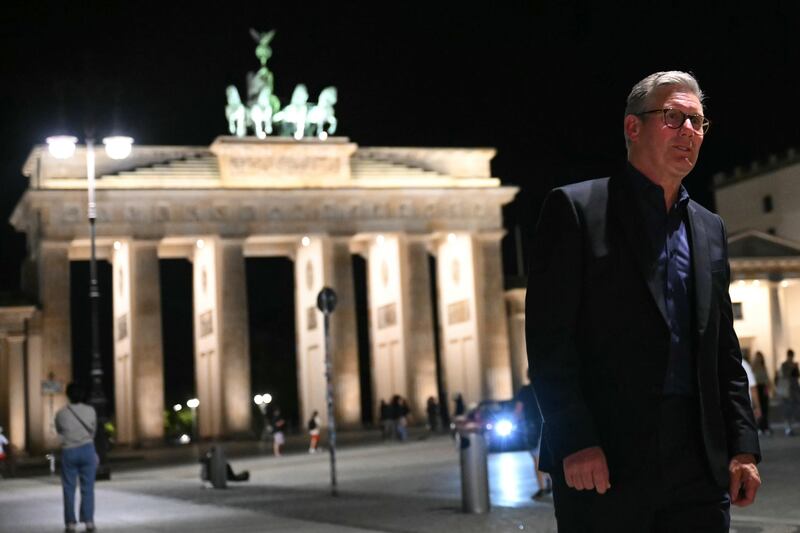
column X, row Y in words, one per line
column 326, row 302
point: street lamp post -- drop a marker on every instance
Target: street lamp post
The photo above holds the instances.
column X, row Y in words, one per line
column 192, row 404
column 118, row 147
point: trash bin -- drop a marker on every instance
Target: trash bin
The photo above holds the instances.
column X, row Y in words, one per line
column 474, row 471
column 217, row 471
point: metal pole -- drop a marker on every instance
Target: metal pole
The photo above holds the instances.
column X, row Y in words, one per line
column 98, row 397
column 331, row 420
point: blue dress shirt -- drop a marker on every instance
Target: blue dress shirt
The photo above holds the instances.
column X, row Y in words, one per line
column 667, row 231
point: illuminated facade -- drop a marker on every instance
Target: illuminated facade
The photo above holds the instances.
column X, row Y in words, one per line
column 315, row 202
column 761, row 210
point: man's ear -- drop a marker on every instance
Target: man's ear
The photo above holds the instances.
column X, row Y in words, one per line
column 633, row 125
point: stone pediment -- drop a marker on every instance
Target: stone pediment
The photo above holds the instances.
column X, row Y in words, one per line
column 272, row 163
column 754, row 244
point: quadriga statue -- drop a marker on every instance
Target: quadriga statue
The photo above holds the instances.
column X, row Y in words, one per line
column 322, row 113
column 294, row 117
column 235, row 112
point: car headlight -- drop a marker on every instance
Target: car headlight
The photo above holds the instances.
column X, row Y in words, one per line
column 504, row 428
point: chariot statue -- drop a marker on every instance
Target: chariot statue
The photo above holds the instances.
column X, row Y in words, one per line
column 294, row 117
column 235, row 112
column 262, row 108
column 323, row 113
column 260, row 114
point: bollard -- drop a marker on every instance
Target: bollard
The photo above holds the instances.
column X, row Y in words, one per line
column 474, row 470
column 217, row 471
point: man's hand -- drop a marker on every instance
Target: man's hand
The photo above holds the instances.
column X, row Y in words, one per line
column 745, row 479
column 587, row 470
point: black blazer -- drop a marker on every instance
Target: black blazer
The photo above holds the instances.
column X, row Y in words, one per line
column 597, row 336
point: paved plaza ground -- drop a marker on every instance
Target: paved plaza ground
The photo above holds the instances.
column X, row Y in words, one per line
column 409, row 487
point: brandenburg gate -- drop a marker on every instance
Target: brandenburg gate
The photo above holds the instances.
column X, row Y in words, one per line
column 314, row 201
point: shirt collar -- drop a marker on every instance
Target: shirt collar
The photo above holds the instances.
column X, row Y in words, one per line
column 652, row 195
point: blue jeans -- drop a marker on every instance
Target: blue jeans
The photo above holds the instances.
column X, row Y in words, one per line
column 80, row 462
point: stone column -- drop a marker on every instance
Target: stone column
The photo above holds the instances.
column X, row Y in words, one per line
column 418, row 323
column 309, row 280
column 5, row 378
column 55, row 364
column 776, row 328
column 338, row 274
column 16, row 390
column 33, row 371
column 515, row 299
column 388, row 315
column 492, row 320
column 325, row 262
column 461, row 356
column 235, row 337
column 139, row 361
column 222, row 352
column 124, row 379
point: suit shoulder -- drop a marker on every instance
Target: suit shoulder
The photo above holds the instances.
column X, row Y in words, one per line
column 706, row 214
column 585, row 193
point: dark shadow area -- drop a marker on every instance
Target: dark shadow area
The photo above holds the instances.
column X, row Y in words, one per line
column 177, row 329
column 444, row 405
column 81, row 326
column 362, row 329
column 273, row 342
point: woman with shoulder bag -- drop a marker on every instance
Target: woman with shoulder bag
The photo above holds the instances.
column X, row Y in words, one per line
column 76, row 424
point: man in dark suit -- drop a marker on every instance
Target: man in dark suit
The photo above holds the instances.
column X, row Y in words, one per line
column 636, row 366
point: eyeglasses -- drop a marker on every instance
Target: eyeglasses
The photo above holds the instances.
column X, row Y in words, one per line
column 675, row 119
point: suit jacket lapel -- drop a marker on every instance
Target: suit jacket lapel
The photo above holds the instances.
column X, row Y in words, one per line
column 622, row 203
column 702, row 267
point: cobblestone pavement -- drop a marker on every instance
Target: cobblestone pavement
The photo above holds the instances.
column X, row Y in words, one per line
column 412, row 487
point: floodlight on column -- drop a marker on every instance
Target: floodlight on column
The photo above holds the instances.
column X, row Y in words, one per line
column 62, row 146
column 193, row 403
column 118, row 146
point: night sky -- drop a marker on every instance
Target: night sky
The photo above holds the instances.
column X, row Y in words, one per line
column 543, row 82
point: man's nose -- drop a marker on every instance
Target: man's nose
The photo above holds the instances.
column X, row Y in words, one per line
column 687, row 128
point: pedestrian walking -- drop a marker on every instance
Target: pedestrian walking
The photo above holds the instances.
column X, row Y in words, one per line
column 387, row 424
column 764, row 389
column 458, row 405
column 788, row 389
column 432, row 411
column 403, row 414
column 76, row 424
column 314, row 424
column 4, row 445
column 278, row 427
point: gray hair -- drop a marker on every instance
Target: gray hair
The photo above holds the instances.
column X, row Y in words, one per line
column 639, row 98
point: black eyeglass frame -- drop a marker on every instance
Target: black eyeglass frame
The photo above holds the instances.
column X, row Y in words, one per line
column 704, row 125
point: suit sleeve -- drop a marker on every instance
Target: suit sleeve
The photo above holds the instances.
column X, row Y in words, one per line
column 552, row 305
column 737, row 410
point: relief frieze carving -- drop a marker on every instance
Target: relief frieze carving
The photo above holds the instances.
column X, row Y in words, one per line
column 71, row 213
column 285, row 165
column 220, row 212
column 247, row 213
column 162, row 213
